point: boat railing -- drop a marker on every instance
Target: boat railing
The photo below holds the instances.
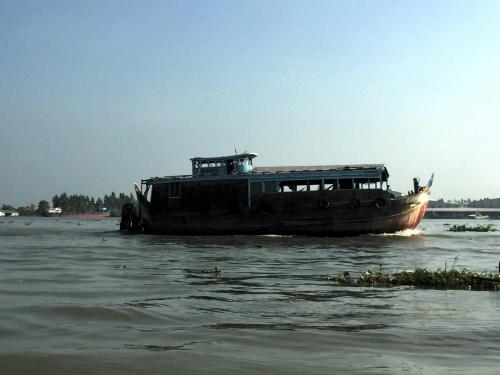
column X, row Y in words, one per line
column 166, row 178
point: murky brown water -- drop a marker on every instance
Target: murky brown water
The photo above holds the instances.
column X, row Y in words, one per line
column 78, row 297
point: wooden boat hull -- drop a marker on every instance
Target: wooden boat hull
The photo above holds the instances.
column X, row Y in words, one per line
column 343, row 213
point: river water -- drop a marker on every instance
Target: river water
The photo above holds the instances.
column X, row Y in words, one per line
column 78, row 297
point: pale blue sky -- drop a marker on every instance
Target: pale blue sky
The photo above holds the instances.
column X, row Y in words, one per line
column 95, row 95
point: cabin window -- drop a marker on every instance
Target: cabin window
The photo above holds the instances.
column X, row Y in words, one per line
column 315, row 185
column 174, row 189
column 288, row 186
column 331, row 184
column 256, row 187
column 271, row 187
column 301, row 186
column 361, row 184
column 346, row 183
column 368, row 183
column 261, row 187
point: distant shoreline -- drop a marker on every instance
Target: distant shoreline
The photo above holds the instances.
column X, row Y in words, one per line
column 87, row 216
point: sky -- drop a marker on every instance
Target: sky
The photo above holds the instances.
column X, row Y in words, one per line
column 95, row 95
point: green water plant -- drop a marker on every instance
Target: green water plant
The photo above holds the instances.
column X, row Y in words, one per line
column 423, row 278
column 216, row 270
column 469, row 228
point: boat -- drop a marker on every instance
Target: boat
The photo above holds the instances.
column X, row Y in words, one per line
column 478, row 216
column 228, row 195
column 9, row 213
column 56, row 211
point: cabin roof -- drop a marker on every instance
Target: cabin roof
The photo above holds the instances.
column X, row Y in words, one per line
column 319, row 168
column 249, row 155
column 292, row 173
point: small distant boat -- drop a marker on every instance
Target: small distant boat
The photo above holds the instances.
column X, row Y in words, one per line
column 56, row 211
column 478, row 216
column 9, row 213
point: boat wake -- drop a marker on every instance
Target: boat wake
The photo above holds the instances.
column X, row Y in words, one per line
column 403, row 233
column 275, row 235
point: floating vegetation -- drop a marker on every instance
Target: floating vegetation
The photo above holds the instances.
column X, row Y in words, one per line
column 423, row 278
column 468, row 228
column 216, row 270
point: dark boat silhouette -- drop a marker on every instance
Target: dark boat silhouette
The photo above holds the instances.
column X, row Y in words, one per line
column 227, row 195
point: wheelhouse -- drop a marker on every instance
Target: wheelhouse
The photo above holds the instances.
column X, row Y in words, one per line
column 223, row 165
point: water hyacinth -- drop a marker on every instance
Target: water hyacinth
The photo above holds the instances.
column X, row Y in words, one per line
column 423, row 278
column 477, row 228
column 343, row 278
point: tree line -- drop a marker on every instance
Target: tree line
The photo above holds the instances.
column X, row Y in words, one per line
column 77, row 204
column 480, row 203
column 83, row 204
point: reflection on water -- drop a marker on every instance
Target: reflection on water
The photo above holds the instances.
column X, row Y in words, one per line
column 76, row 294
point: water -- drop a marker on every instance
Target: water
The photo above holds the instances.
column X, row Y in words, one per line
column 78, row 297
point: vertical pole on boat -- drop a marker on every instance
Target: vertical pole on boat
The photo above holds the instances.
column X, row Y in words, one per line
column 249, row 195
column 138, row 193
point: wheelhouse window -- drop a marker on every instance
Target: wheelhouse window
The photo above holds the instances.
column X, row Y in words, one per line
column 224, row 165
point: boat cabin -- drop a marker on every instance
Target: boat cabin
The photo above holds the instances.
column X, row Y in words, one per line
column 232, row 181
